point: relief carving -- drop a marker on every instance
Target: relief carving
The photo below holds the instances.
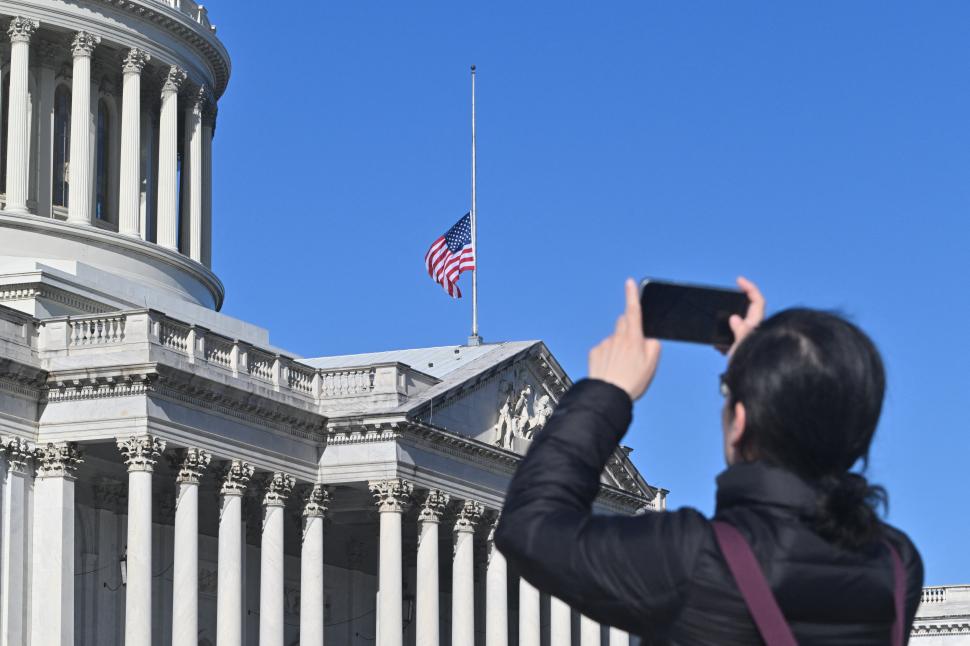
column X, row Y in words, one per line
column 522, row 412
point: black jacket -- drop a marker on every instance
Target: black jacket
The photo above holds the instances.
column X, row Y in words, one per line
column 661, row 575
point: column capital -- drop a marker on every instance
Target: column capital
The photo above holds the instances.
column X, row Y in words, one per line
column 316, row 501
column 392, row 494
column 235, row 478
column 140, row 452
column 433, row 506
column 468, row 516
column 278, row 488
column 84, row 44
column 199, row 100
column 173, row 79
column 193, row 463
column 135, row 60
column 22, row 29
column 57, row 460
column 18, row 452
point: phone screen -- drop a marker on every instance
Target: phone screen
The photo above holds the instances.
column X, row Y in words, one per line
column 690, row 313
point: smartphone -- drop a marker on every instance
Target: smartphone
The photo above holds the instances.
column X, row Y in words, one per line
column 693, row 313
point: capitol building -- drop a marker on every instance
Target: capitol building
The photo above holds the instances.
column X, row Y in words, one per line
column 170, row 477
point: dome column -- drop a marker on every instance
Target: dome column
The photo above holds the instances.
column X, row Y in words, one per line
column 208, row 131
column 129, row 186
column 80, row 179
column 18, row 142
column 589, row 631
column 191, row 223
column 167, row 212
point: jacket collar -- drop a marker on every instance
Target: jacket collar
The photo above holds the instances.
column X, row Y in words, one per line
column 760, row 483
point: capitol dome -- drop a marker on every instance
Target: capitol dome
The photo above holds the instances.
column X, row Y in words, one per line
column 124, row 212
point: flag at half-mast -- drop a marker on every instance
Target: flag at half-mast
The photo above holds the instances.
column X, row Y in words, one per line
column 452, row 254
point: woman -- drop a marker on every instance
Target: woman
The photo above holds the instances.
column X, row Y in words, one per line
column 802, row 396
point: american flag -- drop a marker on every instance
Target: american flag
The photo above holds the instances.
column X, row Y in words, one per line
column 450, row 255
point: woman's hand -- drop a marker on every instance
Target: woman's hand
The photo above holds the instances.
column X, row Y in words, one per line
column 627, row 359
column 742, row 327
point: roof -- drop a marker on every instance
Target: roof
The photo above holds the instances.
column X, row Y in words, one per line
column 439, row 362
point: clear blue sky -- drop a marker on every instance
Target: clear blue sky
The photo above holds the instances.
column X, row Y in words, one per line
column 822, row 149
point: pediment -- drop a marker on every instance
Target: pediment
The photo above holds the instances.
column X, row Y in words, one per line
column 507, row 405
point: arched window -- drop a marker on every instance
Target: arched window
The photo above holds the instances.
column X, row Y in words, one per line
column 62, row 144
column 103, row 142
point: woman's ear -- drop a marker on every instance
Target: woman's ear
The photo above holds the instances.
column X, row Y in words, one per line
column 736, row 432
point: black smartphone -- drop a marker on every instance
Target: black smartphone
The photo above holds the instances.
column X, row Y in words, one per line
column 690, row 312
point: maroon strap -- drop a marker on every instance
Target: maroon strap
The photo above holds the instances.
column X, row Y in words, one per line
column 899, row 595
column 753, row 586
column 761, row 602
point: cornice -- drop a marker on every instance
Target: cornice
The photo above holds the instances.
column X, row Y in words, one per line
column 133, row 246
column 201, row 40
column 156, row 380
column 933, row 628
column 445, row 442
column 24, row 291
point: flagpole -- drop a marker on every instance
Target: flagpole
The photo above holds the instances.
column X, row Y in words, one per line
column 474, row 339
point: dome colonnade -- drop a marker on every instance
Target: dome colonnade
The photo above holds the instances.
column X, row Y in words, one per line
column 146, row 104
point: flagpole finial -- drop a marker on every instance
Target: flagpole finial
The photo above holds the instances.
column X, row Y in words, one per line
column 473, row 69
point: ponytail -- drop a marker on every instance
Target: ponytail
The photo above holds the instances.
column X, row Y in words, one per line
column 847, row 511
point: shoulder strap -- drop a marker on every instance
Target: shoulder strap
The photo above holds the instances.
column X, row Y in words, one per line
column 899, row 595
column 753, row 586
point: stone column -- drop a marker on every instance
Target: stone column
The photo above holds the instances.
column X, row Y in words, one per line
column 278, row 488
column 426, row 628
column 140, row 453
column 560, row 622
column 13, row 542
column 529, row 614
column 311, row 567
column 463, row 574
column 185, row 570
column 45, row 127
column 167, row 212
column 80, row 178
column 229, row 599
column 191, row 223
column 52, row 563
column 619, row 637
column 129, row 185
column 496, row 595
column 208, row 131
column 589, row 632
column 18, row 121
column 392, row 497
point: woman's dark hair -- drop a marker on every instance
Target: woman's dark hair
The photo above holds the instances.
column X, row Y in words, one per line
column 812, row 386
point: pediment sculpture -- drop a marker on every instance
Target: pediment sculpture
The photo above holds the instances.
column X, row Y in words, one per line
column 521, row 413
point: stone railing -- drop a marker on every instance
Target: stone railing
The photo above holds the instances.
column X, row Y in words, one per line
column 192, row 9
column 144, row 333
column 944, row 601
column 97, row 330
